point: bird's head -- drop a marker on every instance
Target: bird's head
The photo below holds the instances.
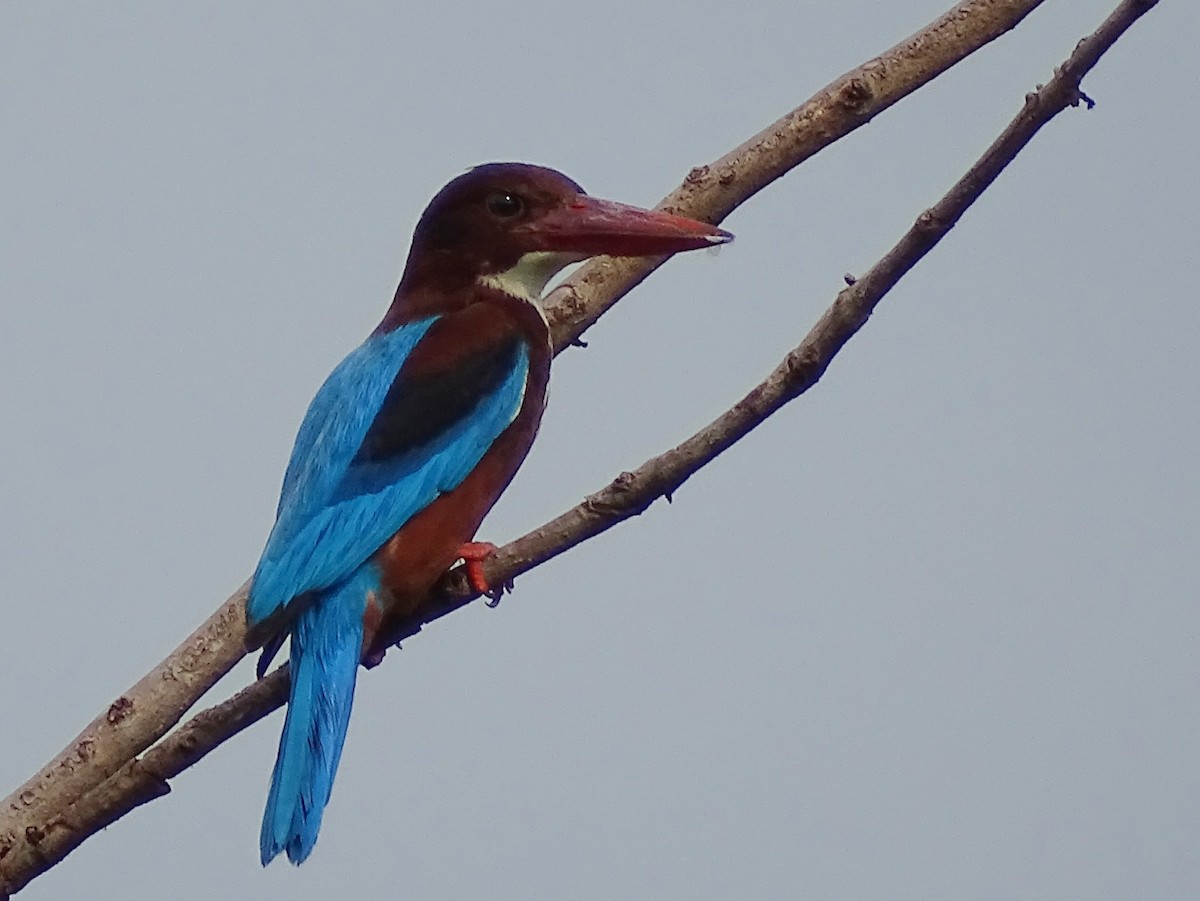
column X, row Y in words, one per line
column 513, row 226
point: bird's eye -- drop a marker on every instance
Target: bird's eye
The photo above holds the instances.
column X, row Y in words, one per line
column 505, row 205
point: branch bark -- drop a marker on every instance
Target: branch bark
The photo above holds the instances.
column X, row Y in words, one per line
column 98, row 777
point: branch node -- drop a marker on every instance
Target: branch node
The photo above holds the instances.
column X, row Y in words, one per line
column 854, row 94
column 119, row 709
column 928, row 221
column 566, row 298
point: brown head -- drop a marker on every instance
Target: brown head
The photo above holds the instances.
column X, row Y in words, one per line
column 512, row 226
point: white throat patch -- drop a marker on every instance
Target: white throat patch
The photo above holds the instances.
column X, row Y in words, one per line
column 529, row 277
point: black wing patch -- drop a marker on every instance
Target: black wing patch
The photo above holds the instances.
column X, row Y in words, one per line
column 418, row 410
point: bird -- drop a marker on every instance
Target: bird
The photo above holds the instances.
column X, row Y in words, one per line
column 408, row 444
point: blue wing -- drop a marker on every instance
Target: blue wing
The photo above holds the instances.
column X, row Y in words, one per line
column 375, row 449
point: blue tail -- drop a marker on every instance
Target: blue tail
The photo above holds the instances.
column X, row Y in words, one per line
column 326, row 646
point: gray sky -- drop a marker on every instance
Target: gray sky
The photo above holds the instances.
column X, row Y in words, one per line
column 930, row 633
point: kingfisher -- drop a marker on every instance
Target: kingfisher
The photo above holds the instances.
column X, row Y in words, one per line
column 410, row 441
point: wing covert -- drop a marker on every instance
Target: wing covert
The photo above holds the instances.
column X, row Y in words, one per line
column 379, row 444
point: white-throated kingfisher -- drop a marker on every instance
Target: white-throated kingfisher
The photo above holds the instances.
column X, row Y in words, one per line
column 409, row 443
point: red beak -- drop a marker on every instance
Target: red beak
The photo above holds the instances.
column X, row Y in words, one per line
column 588, row 225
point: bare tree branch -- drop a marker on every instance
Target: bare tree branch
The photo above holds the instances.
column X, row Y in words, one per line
column 712, row 192
column 133, row 722
column 153, row 706
column 97, row 778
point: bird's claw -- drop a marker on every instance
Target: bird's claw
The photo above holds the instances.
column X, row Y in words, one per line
column 493, row 595
column 473, row 553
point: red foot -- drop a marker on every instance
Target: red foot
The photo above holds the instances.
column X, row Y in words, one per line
column 473, row 554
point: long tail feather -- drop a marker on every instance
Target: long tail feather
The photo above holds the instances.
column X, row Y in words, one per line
column 326, row 646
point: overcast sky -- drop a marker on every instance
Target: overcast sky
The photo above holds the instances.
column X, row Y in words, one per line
column 930, row 633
